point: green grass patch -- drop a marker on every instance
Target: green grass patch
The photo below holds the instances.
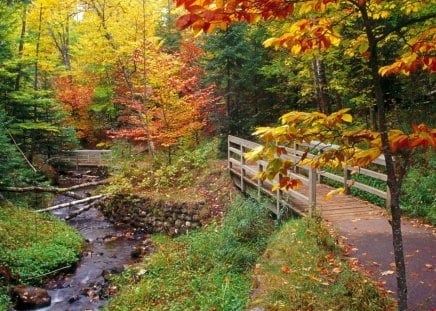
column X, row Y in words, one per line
column 209, row 269
column 303, row 269
column 34, row 244
column 419, row 187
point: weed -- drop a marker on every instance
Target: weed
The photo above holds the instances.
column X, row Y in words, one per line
column 302, row 270
column 418, row 197
column 205, row 270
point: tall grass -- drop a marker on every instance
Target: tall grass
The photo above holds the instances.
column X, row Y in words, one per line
column 204, row 270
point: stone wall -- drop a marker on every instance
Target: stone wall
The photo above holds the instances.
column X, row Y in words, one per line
column 153, row 216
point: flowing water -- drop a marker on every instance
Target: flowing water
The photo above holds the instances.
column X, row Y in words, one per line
column 108, row 250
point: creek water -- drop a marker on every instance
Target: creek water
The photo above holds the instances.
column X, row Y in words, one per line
column 108, row 251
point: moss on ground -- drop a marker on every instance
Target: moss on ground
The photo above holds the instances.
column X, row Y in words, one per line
column 33, row 245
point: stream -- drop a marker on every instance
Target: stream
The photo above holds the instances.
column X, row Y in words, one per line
column 108, row 251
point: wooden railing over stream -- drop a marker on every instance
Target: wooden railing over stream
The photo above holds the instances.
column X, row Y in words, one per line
column 81, row 158
column 311, row 195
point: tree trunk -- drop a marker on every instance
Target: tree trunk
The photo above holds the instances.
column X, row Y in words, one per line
column 144, row 76
column 320, row 84
column 38, row 39
column 393, row 183
column 65, row 191
column 21, row 49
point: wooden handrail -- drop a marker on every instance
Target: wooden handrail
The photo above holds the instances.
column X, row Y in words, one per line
column 87, row 157
column 237, row 147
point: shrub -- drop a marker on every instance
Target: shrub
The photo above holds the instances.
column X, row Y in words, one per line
column 205, row 270
column 418, row 197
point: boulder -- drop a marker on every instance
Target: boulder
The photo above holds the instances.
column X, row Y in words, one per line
column 28, row 297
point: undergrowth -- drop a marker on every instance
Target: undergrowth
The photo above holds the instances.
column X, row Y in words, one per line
column 302, row 269
column 140, row 172
column 205, row 270
column 33, row 245
column 372, row 182
column 418, row 197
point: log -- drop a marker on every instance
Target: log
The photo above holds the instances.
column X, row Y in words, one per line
column 52, row 189
column 65, row 191
column 69, row 204
column 83, row 209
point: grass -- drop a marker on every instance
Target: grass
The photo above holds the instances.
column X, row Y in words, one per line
column 303, row 269
column 205, row 270
column 33, row 245
column 215, row 269
column 418, row 199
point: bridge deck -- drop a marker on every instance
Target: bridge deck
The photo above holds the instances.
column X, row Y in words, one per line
column 339, row 207
column 311, row 195
column 87, row 157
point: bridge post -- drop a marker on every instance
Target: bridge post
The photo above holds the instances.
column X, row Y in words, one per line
column 242, row 168
column 346, row 177
column 388, row 198
column 312, row 190
column 278, row 199
column 229, row 163
column 294, row 151
column 259, row 182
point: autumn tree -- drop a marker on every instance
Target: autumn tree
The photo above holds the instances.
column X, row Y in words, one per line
column 37, row 120
column 381, row 22
column 177, row 104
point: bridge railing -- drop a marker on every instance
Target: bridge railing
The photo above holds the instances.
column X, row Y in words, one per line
column 237, row 164
column 88, row 157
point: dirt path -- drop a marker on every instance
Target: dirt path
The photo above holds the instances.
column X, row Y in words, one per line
column 370, row 241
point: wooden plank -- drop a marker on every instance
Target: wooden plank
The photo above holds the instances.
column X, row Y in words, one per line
column 369, row 189
column 332, row 176
column 235, row 151
column 373, row 174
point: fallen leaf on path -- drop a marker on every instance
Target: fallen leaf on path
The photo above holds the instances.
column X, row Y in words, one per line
column 387, row 272
column 374, row 263
column 429, row 266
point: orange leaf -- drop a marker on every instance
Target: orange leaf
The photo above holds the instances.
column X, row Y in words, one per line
column 285, row 269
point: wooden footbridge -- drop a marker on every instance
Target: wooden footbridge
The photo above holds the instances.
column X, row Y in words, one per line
column 311, row 194
column 87, row 158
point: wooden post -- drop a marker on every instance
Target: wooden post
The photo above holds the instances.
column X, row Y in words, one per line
column 312, row 190
column 388, row 197
column 294, row 150
column 346, row 177
column 278, row 198
column 77, row 161
column 229, row 163
column 241, row 148
column 259, row 182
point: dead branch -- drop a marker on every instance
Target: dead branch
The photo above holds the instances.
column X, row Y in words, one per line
column 65, row 191
column 69, row 204
column 84, row 209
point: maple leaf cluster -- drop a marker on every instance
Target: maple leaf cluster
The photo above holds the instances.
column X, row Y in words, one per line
column 76, row 100
column 337, row 145
column 172, row 105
